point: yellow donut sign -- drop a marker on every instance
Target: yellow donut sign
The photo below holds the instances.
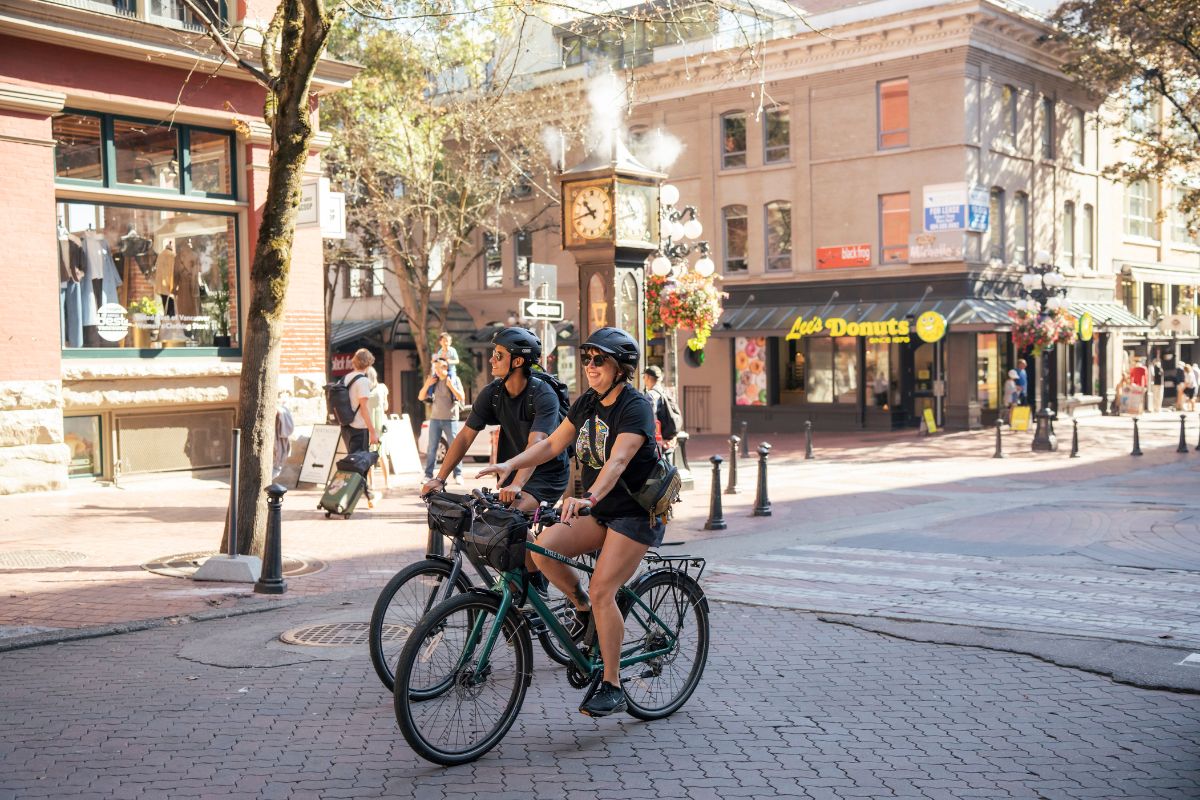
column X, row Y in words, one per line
column 1086, row 327
column 931, row 327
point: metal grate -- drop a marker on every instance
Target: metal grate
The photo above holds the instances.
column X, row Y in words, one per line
column 16, row 559
column 339, row 634
column 183, row 565
column 178, row 441
column 697, row 400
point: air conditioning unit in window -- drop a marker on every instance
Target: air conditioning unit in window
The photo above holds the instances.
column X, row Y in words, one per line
column 1176, row 323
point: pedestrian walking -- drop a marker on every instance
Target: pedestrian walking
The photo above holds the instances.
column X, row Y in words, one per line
column 1012, row 393
column 1189, row 387
column 1156, row 387
column 446, row 400
column 1022, row 382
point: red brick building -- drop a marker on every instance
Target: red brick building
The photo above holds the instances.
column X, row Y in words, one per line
column 135, row 167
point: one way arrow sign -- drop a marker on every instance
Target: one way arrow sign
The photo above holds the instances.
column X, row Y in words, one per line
column 551, row 310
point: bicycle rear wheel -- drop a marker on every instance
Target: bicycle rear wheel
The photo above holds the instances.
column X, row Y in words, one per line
column 478, row 706
column 564, row 610
column 410, row 593
column 659, row 687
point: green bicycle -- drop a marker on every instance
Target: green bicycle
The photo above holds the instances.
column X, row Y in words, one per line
column 462, row 676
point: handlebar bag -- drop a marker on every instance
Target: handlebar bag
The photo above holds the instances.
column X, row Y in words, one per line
column 497, row 536
column 449, row 514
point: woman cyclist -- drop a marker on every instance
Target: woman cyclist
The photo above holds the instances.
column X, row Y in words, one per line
column 612, row 426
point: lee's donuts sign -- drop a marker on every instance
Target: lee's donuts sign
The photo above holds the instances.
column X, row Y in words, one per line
column 930, row 327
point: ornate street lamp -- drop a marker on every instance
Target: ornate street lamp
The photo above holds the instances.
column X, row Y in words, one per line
column 1043, row 294
column 673, row 258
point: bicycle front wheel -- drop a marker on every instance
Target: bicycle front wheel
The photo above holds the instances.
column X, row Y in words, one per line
column 659, row 687
column 410, row 593
column 479, row 703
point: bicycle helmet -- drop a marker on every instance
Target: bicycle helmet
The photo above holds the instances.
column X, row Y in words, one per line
column 519, row 342
column 616, row 342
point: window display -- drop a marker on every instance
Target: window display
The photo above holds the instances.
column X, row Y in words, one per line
column 147, row 154
column 146, row 278
column 82, row 436
column 77, row 147
column 209, row 162
column 750, row 361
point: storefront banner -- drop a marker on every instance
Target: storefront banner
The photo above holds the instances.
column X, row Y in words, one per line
column 934, row 248
column 844, row 255
column 955, row 207
column 1085, row 327
column 750, row 361
column 341, row 364
column 883, row 332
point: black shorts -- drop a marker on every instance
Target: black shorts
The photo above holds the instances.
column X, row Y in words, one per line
column 1189, row 393
column 356, row 439
column 637, row 528
column 544, row 491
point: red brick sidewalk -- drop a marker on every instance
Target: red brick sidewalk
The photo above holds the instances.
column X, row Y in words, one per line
column 112, row 532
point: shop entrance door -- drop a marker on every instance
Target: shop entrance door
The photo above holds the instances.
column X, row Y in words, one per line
column 916, row 383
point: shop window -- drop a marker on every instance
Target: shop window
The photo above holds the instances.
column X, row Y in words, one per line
column 733, row 140
column 143, row 155
column 78, row 147
column 81, row 435
column 1129, row 296
column 845, row 370
column 1139, row 209
column 1068, row 234
column 777, row 135
column 1048, row 128
column 736, row 228
column 989, row 385
column 1088, row 238
column 1078, row 142
column 819, row 375
column 1020, row 228
column 996, row 243
column 893, row 228
column 493, row 270
column 1155, row 301
column 893, row 113
column 146, row 278
column 879, row 376
column 779, row 235
column 522, row 256
column 209, row 163
column 750, row 371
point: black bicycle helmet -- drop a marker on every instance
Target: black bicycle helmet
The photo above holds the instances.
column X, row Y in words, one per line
column 519, row 342
column 616, row 342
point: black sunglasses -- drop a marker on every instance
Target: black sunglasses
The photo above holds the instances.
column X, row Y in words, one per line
column 595, row 359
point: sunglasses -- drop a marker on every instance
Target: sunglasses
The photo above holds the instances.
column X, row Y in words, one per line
column 595, row 359
column 497, row 356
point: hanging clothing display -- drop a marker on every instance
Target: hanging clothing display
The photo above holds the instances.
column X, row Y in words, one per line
column 187, row 281
column 164, row 271
column 100, row 274
column 70, row 297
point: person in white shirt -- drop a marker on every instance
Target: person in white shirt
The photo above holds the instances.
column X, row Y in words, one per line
column 360, row 434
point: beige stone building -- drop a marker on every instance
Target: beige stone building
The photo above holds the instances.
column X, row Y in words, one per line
column 877, row 162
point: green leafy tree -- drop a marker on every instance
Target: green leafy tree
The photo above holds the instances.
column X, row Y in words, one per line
column 1151, row 47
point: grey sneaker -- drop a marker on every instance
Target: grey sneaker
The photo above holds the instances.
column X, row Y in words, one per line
column 608, row 699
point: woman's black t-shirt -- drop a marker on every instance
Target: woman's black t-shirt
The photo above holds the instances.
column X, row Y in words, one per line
column 593, row 421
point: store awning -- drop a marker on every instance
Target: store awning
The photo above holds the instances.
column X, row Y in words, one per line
column 777, row 320
column 1109, row 315
column 353, row 330
column 457, row 322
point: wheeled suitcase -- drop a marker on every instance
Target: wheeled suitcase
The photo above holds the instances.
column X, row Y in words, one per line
column 342, row 493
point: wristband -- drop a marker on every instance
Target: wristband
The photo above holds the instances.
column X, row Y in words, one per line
column 590, row 498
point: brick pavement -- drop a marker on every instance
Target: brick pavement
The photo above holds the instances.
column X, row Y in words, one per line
column 824, row 711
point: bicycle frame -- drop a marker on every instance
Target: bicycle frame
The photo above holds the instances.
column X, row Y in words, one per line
column 641, row 613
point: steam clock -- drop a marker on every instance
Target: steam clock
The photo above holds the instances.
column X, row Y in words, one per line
column 610, row 224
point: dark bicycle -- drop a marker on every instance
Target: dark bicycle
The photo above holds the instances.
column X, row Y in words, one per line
column 462, row 675
column 417, row 588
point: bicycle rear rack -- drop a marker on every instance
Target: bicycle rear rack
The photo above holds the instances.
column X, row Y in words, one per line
column 684, row 563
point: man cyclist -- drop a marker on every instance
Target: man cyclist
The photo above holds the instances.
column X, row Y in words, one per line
column 507, row 401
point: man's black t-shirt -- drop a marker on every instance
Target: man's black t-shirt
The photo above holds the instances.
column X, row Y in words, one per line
column 516, row 425
column 631, row 413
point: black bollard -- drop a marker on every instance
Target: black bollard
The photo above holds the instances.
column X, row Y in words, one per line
column 762, row 505
column 271, row 580
column 732, row 488
column 1074, row 438
column 1137, row 447
column 716, row 518
column 1198, row 442
column 999, row 444
column 808, row 454
column 744, row 440
column 1183, row 448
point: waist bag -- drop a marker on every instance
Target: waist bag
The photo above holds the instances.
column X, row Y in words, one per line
column 661, row 488
column 497, row 537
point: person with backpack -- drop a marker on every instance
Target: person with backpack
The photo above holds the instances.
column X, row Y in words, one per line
column 358, row 433
column 528, row 405
column 446, row 399
column 667, row 419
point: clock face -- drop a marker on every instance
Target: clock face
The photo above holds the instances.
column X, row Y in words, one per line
column 633, row 217
column 591, row 212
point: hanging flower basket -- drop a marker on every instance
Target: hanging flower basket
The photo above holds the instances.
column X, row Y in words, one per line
column 1040, row 332
column 690, row 301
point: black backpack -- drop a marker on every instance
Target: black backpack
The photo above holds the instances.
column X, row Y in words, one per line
column 668, row 415
column 560, row 389
column 337, row 396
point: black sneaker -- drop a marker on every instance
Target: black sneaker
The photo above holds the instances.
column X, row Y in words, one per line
column 608, row 699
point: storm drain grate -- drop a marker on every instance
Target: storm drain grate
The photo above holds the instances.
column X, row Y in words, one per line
column 183, row 565
column 340, row 634
column 38, row 558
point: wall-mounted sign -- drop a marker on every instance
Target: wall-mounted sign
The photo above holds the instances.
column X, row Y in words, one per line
column 934, row 248
column 844, row 255
column 883, row 332
column 955, row 207
column 1085, row 327
column 341, row 364
column 931, row 327
column 319, row 206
